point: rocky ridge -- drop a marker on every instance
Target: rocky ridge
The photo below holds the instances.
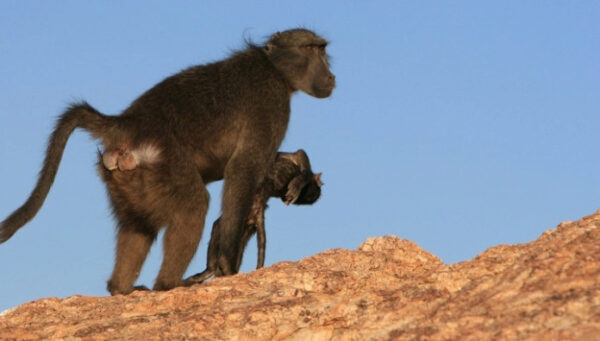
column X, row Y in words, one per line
column 390, row 288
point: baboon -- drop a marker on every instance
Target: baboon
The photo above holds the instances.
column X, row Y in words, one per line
column 223, row 120
column 291, row 179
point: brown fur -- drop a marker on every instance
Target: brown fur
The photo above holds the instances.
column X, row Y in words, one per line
column 223, row 120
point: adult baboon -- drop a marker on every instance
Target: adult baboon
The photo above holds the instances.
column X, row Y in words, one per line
column 223, row 120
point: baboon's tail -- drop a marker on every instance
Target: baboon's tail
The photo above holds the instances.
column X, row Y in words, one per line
column 79, row 115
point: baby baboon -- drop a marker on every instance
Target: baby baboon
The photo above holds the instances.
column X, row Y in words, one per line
column 223, row 120
column 291, row 179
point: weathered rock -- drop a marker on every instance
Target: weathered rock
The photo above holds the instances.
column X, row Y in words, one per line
column 548, row 289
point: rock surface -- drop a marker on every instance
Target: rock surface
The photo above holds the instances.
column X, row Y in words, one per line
column 548, row 289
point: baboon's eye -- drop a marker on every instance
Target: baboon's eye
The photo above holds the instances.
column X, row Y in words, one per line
column 314, row 48
column 311, row 48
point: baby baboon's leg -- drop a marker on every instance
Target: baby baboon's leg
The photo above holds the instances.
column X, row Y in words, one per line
column 133, row 243
column 188, row 205
column 261, row 239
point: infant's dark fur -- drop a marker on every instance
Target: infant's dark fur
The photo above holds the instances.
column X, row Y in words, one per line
column 291, row 179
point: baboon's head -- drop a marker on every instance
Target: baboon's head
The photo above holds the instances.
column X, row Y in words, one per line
column 300, row 55
column 311, row 191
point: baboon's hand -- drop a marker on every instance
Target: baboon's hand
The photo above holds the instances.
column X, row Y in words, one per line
column 291, row 195
column 294, row 189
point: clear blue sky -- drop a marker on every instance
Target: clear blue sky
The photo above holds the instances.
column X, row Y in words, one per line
column 457, row 125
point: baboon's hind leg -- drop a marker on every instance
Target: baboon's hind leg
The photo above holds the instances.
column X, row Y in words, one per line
column 188, row 206
column 135, row 236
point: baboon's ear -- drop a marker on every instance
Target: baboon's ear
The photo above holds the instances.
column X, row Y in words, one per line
column 271, row 43
column 269, row 47
column 318, row 179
